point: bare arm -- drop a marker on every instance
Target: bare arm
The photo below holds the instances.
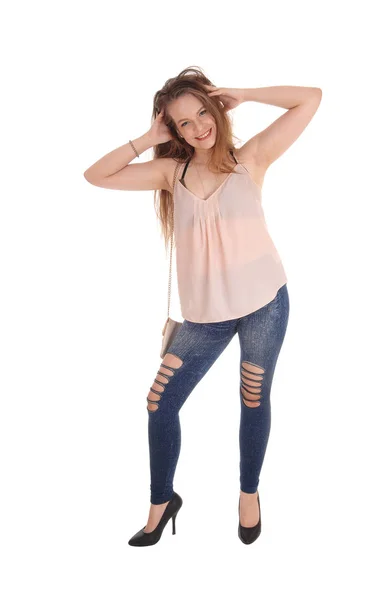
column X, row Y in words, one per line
column 112, row 171
column 302, row 103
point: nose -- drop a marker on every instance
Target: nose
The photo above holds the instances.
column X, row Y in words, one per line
column 200, row 131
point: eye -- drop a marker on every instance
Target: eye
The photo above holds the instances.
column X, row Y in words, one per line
column 203, row 111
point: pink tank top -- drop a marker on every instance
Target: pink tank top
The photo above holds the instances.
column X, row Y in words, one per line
column 227, row 265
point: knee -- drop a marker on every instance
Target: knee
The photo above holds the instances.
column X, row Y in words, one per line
column 167, row 369
column 251, row 383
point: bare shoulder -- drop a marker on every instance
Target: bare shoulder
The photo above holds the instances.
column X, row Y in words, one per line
column 255, row 167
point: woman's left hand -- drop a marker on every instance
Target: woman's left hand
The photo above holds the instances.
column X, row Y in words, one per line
column 230, row 97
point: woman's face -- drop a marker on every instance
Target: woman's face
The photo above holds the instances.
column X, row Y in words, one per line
column 192, row 120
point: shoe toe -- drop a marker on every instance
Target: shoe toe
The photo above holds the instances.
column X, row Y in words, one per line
column 138, row 538
column 248, row 535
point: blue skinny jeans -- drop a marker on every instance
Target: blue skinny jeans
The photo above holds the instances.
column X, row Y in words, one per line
column 192, row 352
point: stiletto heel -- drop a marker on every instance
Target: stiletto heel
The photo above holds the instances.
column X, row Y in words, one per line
column 141, row 538
column 248, row 535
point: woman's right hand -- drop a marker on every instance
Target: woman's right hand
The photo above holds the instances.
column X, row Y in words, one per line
column 160, row 132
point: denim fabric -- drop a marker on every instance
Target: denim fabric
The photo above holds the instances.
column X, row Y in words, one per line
column 198, row 345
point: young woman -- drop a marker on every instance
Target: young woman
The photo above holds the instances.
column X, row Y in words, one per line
column 230, row 277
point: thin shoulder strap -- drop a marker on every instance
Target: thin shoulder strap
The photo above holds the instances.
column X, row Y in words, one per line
column 185, row 168
column 239, row 163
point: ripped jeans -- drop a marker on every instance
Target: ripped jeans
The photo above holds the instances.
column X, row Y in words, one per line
column 191, row 354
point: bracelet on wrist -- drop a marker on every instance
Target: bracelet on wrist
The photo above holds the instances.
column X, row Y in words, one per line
column 131, row 143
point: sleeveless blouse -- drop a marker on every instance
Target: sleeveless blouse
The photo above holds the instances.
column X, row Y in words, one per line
column 226, row 262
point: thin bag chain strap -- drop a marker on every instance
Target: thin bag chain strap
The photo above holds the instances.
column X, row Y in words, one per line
column 170, row 256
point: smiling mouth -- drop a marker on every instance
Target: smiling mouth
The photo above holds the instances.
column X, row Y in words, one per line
column 205, row 136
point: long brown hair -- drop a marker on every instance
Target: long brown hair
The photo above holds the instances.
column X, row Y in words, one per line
column 189, row 81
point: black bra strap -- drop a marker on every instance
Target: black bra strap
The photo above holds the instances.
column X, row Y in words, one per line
column 188, row 161
column 185, row 168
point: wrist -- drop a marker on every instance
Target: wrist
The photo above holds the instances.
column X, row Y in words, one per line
column 246, row 94
column 149, row 139
column 142, row 143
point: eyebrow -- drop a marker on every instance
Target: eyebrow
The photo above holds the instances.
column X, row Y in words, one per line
column 188, row 119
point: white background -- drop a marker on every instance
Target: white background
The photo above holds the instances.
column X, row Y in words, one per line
column 84, row 297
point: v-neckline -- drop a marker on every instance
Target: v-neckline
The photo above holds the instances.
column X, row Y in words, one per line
column 213, row 193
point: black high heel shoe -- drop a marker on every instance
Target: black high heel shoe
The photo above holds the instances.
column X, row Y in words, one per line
column 141, row 538
column 248, row 535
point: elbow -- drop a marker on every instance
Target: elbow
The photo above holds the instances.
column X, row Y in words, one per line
column 93, row 180
column 89, row 178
